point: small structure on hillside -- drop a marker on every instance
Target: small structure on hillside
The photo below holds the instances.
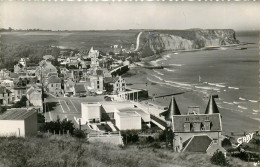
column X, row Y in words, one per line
column 18, row 122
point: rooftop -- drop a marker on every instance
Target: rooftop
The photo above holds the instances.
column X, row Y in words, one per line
column 54, row 79
column 16, row 114
column 128, row 114
column 179, row 120
column 198, row 144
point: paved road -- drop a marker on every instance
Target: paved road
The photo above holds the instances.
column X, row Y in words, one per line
column 67, row 107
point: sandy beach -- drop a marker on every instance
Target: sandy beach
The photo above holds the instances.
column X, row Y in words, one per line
column 232, row 121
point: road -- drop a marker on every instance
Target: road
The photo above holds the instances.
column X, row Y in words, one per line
column 138, row 41
column 66, row 107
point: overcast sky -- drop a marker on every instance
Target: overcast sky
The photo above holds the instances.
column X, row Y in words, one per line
column 130, row 15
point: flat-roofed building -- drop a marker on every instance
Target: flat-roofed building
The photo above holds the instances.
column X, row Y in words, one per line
column 18, row 122
column 123, row 113
column 90, row 112
column 128, row 120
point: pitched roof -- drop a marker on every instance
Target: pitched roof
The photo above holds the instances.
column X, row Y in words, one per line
column 180, row 120
column 79, row 88
column 172, row 110
column 198, row 144
column 110, row 79
column 14, row 75
column 54, row 79
column 16, row 114
column 212, row 106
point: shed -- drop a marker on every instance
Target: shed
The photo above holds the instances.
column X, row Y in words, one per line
column 18, row 122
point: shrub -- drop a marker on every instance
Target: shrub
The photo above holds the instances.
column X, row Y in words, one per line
column 21, row 103
column 40, row 118
column 79, row 134
column 218, row 158
column 226, row 143
column 149, row 139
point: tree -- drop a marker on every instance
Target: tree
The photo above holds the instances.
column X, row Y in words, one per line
column 226, row 143
column 40, row 118
column 21, row 103
column 218, row 158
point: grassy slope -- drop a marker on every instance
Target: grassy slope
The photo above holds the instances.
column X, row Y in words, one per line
column 67, row 151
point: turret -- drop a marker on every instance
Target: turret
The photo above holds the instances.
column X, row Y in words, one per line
column 172, row 110
column 212, row 106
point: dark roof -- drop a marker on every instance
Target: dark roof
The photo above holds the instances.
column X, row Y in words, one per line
column 52, row 74
column 179, row 120
column 16, row 114
column 99, row 72
column 14, row 75
column 54, row 79
column 79, row 88
column 172, row 110
column 198, row 144
column 110, row 79
column 212, row 106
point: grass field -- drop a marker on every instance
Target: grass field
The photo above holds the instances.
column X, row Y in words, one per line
column 101, row 40
column 67, row 151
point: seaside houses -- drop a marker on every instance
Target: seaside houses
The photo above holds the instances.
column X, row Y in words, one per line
column 20, row 66
column 6, row 97
column 4, row 74
column 45, row 67
column 34, row 95
column 18, row 122
column 54, row 85
column 114, row 84
column 195, row 131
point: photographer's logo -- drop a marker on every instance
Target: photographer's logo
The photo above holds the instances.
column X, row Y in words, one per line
column 244, row 139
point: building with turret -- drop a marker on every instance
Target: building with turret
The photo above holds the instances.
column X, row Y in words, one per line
column 195, row 131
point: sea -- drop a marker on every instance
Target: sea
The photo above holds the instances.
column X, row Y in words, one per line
column 230, row 73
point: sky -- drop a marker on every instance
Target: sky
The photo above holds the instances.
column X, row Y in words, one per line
column 130, row 15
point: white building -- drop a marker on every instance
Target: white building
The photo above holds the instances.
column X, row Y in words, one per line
column 127, row 115
column 90, row 112
column 18, row 122
column 129, row 120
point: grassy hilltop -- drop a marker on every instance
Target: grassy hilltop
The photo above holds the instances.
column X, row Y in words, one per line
column 67, row 151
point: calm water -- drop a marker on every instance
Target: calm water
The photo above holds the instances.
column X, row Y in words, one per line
column 230, row 73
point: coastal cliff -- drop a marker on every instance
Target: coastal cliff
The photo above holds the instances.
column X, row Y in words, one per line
column 152, row 42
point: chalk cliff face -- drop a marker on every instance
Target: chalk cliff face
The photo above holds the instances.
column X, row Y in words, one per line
column 152, row 42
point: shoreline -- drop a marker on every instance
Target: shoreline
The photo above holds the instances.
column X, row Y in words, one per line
column 233, row 121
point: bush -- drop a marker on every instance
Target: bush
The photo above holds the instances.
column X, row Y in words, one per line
column 218, row 158
column 226, row 143
column 130, row 136
column 149, row 139
column 79, row 134
column 156, row 145
column 21, row 103
column 40, row 118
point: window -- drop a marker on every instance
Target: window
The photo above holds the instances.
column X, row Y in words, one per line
column 98, row 86
column 187, row 119
column 97, row 82
column 51, row 85
column 207, row 118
